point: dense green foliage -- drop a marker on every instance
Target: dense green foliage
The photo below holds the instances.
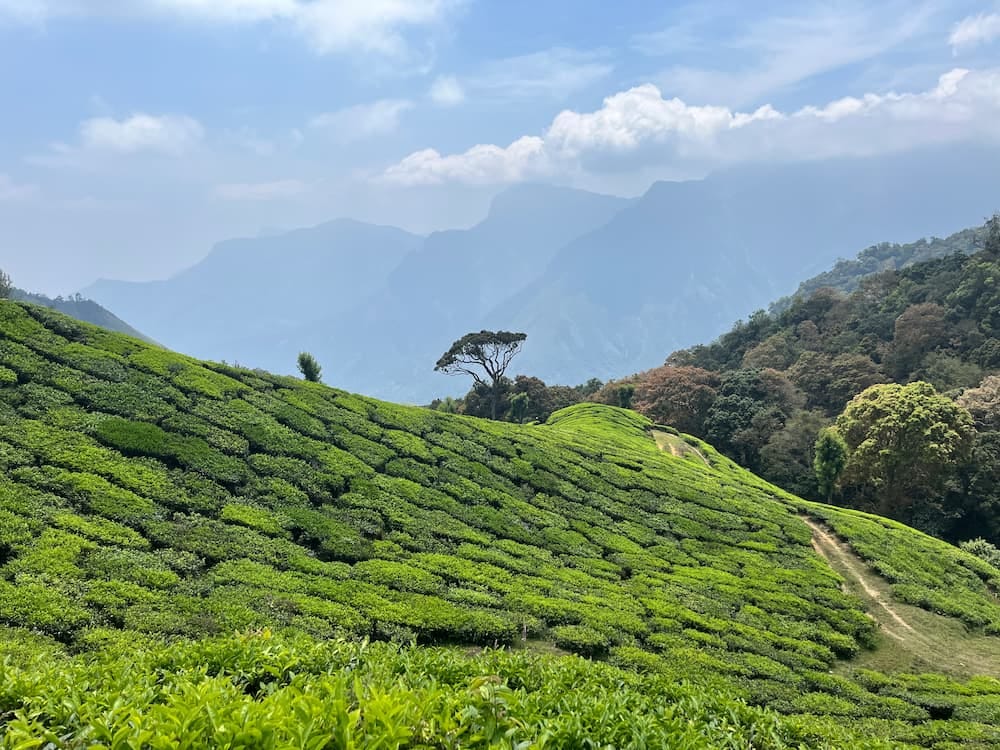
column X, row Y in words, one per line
column 905, row 443
column 309, row 367
column 149, row 494
column 261, row 691
column 523, row 399
column 762, row 392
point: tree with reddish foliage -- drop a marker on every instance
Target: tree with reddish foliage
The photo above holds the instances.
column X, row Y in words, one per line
column 676, row 396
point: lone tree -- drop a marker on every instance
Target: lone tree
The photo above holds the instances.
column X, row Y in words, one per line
column 905, row 442
column 309, row 367
column 6, row 285
column 485, row 356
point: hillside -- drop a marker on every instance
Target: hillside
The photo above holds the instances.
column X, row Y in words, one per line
column 846, row 275
column 82, row 309
column 146, row 495
column 601, row 285
column 763, row 391
column 675, row 268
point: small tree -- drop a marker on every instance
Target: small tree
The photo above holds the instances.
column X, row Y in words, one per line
column 829, row 461
column 518, row 407
column 309, row 367
column 486, row 351
column 6, row 285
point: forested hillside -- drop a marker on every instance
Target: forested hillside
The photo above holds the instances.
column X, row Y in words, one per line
column 151, row 505
column 846, row 275
column 763, row 392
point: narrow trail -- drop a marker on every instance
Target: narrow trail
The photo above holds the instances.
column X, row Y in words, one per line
column 843, row 560
column 676, row 446
column 915, row 638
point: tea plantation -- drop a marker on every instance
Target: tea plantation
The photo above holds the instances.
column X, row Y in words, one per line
column 198, row 555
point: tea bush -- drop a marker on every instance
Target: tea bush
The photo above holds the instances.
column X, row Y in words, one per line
column 146, row 492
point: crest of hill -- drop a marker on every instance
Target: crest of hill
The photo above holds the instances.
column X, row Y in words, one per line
column 147, row 495
column 82, row 309
column 847, row 275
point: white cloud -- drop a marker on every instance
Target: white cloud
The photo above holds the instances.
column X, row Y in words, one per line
column 260, row 191
column 975, row 30
column 447, row 91
column 484, row 164
column 362, row 120
column 13, row 191
column 169, row 134
column 328, row 25
column 641, row 127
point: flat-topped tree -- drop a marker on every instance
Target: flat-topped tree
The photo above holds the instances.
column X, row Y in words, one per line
column 486, row 353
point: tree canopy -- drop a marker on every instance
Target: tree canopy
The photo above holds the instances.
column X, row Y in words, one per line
column 6, row 285
column 309, row 367
column 905, row 442
column 484, row 356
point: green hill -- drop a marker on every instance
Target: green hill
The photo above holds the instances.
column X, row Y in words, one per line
column 198, row 555
column 83, row 309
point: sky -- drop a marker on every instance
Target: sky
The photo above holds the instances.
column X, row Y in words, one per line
column 134, row 134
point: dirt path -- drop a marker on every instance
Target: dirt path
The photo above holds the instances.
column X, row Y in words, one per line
column 676, row 446
column 912, row 639
column 843, row 560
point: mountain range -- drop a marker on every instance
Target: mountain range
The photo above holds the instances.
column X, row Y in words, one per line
column 602, row 285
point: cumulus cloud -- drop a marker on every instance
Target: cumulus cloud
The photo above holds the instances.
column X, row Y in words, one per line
column 260, row 191
column 13, row 191
column 640, row 126
column 362, row 120
column 484, row 164
column 975, row 30
column 169, row 134
column 447, row 91
column 328, row 25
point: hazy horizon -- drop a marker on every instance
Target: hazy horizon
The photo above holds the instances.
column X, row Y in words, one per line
column 140, row 137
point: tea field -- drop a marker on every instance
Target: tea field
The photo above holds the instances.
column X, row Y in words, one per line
column 197, row 553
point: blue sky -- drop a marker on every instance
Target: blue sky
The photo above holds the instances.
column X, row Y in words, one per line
column 131, row 140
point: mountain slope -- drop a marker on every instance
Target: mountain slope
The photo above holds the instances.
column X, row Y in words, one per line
column 846, row 275
column 687, row 259
column 372, row 302
column 146, row 492
column 82, row 309
column 254, row 290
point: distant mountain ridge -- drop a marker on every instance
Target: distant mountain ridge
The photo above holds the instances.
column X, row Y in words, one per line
column 847, row 275
column 602, row 285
